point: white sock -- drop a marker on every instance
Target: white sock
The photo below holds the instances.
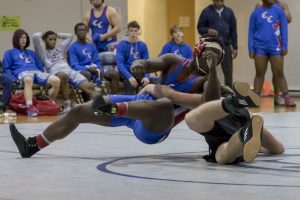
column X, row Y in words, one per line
column 29, row 102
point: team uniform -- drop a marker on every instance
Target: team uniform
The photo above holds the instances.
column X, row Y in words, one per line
column 128, row 52
column 54, row 60
column 18, row 64
column 143, row 134
column 100, row 26
column 183, row 50
column 268, row 32
column 83, row 56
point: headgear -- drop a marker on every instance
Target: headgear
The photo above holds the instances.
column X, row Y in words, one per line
column 207, row 41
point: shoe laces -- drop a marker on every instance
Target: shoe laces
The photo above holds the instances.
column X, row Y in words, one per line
column 107, row 109
column 243, row 102
column 31, row 141
column 239, row 102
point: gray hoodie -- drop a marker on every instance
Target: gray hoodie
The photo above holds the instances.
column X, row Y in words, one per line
column 53, row 59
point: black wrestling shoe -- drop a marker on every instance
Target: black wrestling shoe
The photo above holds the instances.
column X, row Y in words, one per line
column 231, row 104
column 26, row 146
column 102, row 106
column 243, row 92
column 226, row 91
column 251, row 136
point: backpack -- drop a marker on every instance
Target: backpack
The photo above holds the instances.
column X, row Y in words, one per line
column 45, row 106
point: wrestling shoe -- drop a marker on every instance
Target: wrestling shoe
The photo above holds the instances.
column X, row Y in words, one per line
column 226, row 91
column 102, row 106
column 251, row 137
column 231, row 104
column 243, row 92
column 26, row 146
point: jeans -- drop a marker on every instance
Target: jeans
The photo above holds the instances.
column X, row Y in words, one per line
column 7, row 88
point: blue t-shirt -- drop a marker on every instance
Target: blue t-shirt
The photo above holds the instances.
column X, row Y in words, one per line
column 81, row 55
column 268, row 29
column 127, row 53
column 183, row 50
column 16, row 61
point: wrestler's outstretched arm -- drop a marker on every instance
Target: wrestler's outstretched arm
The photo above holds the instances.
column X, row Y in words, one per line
column 163, row 63
column 186, row 100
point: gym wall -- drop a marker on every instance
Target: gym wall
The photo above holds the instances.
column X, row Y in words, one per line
column 243, row 67
column 43, row 15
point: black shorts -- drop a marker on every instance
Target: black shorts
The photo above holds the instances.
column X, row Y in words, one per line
column 223, row 130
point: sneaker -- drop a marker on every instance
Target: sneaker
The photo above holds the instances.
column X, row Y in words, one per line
column 278, row 101
column 67, row 108
column 244, row 92
column 32, row 111
column 26, row 147
column 251, row 135
column 102, row 106
column 288, row 102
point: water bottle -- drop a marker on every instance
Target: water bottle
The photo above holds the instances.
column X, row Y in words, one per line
column 9, row 117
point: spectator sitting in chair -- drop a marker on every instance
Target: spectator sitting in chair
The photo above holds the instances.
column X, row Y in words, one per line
column 23, row 65
column 176, row 45
column 128, row 51
column 83, row 57
column 53, row 59
column 7, row 89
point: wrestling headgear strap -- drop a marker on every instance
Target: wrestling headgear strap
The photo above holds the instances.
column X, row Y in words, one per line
column 207, row 41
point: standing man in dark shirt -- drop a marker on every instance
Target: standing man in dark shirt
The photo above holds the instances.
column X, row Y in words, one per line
column 218, row 19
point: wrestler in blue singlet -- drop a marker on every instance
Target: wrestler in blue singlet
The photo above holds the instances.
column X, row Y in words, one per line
column 100, row 26
column 172, row 79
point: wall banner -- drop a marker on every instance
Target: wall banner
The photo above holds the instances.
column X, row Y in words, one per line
column 9, row 23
